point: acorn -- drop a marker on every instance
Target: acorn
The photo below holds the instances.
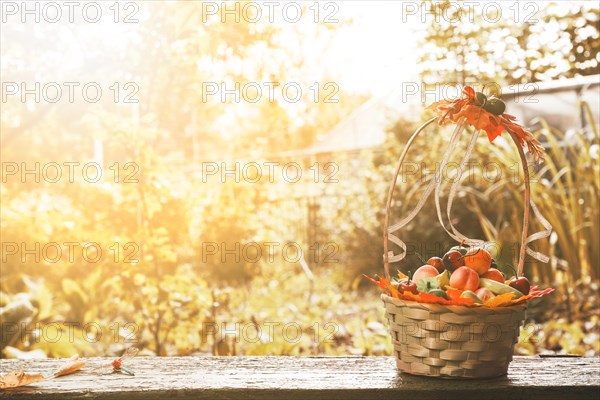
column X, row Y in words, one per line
column 495, row 106
column 480, row 98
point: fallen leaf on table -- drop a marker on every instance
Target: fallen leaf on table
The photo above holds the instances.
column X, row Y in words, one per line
column 15, row 379
column 72, row 365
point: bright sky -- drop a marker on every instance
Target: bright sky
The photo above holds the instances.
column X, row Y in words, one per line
column 378, row 50
column 372, row 55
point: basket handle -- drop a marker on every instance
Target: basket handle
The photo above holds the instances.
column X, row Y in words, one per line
column 526, row 201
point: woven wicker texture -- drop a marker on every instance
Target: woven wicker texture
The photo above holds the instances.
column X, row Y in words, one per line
column 452, row 341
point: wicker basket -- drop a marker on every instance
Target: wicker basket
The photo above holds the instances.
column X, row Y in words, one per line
column 452, row 341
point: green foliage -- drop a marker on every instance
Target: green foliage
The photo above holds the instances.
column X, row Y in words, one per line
column 512, row 43
column 156, row 287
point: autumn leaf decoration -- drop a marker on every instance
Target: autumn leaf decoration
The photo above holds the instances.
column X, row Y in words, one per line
column 487, row 115
column 454, row 295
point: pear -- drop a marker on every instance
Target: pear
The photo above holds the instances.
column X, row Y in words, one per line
column 468, row 294
column 443, row 278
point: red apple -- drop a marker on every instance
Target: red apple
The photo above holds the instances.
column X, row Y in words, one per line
column 452, row 260
column 521, row 284
column 437, row 263
column 465, row 278
column 407, row 285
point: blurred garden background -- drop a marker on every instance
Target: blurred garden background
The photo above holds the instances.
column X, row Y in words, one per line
column 223, row 191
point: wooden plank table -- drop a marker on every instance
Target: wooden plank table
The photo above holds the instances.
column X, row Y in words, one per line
column 291, row 378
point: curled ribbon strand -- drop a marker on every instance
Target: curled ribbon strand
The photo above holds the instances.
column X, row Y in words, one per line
column 455, row 234
column 430, row 187
column 435, row 185
column 547, row 231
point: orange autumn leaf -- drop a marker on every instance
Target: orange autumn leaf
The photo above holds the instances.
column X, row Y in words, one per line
column 480, row 119
column 72, row 365
column 394, row 292
column 534, row 292
column 467, row 107
column 454, row 293
column 377, row 282
column 502, row 300
column 431, row 298
column 384, row 284
column 463, row 302
column 20, row 378
column 410, row 296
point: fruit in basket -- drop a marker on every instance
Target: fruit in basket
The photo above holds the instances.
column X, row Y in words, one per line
column 493, row 274
column 437, row 263
column 443, row 279
column 407, row 285
column 425, row 271
column 452, row 260
column 460, row 248
column 426, row 285
column 520, row 283
column 479, row 259
column 468, row 294
column 484, row 294
column 432, row 286
column 465, row 278
column 439, row 293
column 499, row 288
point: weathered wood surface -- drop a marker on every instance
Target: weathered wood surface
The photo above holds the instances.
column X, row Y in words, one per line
column 290, row 378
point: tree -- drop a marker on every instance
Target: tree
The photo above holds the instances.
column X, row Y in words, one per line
column 160, row 142
column 511, row 44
